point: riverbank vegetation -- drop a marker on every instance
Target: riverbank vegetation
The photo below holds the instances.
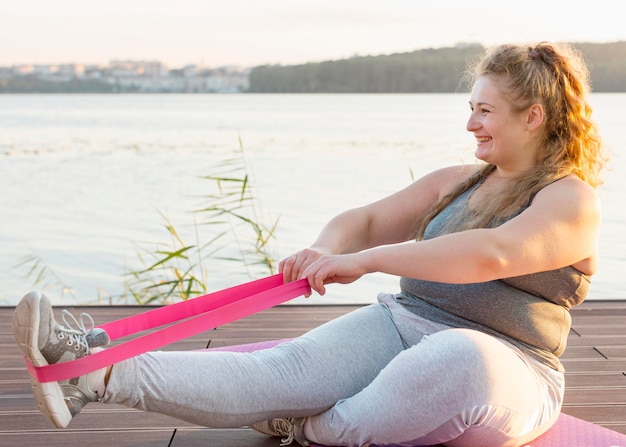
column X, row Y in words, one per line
column 422, row 71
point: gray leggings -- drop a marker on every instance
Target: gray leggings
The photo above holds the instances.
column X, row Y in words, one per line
column 379, row 375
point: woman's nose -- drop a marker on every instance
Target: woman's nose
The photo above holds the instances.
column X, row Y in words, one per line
column 471, row 124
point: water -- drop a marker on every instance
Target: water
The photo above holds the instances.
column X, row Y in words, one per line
column 84, row 177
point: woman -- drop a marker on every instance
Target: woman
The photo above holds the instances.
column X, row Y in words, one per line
column 490, row 258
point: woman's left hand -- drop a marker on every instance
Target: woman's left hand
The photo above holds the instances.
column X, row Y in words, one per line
column 328, row 269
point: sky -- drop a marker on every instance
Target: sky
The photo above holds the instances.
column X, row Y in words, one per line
column 248, row 33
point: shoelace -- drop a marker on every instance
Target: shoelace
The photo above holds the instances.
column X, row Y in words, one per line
column 286, row 428
column 76, row 329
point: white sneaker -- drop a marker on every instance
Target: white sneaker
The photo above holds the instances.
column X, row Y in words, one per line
column 290, row 429
column 43, row 342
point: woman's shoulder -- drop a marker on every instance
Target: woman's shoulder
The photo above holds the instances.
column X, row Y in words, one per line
column 571, row 193
column 571, row 186
column 450, row 176
column 455, row 173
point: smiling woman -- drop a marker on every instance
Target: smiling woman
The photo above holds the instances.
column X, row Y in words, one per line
column 520, row 131
column 465, row 275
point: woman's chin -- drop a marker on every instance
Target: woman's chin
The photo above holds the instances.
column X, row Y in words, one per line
column 482, row 155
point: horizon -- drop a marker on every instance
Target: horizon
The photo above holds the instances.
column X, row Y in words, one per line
column 245, row 33
column 170, row 67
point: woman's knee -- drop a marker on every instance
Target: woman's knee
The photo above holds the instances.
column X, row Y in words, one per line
column 494, row 371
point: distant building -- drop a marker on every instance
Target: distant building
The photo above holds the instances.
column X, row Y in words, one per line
column 138, row 76
column 131, row 68
column 227, row 80
column 153, row 77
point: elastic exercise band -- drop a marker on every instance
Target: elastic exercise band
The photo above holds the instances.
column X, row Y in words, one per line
column 202, row 313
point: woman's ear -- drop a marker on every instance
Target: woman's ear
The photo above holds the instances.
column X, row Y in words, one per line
column 534, row 116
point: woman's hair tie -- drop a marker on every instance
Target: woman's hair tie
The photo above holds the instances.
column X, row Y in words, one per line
column 534, row 54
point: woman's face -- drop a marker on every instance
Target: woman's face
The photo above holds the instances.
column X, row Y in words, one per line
column 502, row 135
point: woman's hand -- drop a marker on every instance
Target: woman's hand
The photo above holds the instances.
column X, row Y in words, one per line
column 294, row 266
column 327, row 269
column 321, row 269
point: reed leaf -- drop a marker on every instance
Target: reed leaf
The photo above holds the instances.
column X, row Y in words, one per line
column 227, row 230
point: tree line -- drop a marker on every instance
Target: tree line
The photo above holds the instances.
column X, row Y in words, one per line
column 422, row 71
column 433, row 70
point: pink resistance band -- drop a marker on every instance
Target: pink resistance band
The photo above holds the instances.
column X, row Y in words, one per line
column 199, row 314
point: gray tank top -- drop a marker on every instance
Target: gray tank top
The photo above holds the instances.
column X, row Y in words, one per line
column 530, row 311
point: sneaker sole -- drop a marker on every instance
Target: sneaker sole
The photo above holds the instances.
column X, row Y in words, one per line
column 264, row 427
column 48, row 396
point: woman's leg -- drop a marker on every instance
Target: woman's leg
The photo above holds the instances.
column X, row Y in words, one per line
column 299, row 378
column 457, row 386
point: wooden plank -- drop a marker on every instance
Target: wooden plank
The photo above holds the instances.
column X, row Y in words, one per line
column 582, row 353
column 612, row 352
column 598, row 380
column 591, row 305
column 597, row 396
column 596, row 340
column 203, row 437
column 24, row 413
column 598, row 328
column 587, row 366
column 93, row 438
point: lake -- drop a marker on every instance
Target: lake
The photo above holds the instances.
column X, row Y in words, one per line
column 84, row 178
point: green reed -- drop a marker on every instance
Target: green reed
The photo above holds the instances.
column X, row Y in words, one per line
column 234, row 231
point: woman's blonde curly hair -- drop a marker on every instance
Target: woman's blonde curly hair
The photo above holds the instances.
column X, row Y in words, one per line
column 555, row 76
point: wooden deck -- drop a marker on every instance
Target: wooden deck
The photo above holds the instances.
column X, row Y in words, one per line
column 595, row 361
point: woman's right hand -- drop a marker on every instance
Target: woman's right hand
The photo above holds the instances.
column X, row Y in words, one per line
column 293, row 266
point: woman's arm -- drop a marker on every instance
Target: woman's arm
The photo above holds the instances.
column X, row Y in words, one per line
column 390, row 220
column 559, row 229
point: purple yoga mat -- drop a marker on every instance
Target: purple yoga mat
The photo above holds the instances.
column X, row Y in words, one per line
column 573, row 432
